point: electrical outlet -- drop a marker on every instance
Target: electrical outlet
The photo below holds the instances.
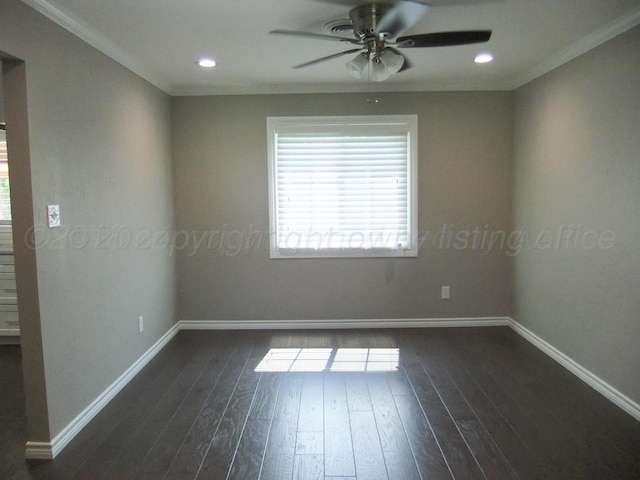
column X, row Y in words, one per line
column 445, row 292
column 140, row 324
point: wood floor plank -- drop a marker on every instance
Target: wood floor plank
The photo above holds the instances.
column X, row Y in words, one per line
column 522, row 424
column 223, row 445
column 147, row 415
column 128, row 444
column 308, row 467
column 248, row 459
column 458, row 395
column 482, row 445
column 358, row 399
column 395, row 445
column 398, row 383
column 367, row 451
column 161, row 455
column 586, row 461
column 187, row 461
column 264, row 402
column 280, row 452
column 338, row 449
column 12, row 413
column 566, row 455
column 424, row 446
column 520, row 456
column 169, row 403
column 311, row 414
column 145, row 389
column 573, row 402
column 461, row 461
column 310, row 443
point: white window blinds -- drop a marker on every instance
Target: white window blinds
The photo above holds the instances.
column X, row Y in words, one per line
column 342, row 186
column 5, row 201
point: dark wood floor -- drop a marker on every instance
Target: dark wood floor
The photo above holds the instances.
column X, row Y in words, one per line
column 434, row 404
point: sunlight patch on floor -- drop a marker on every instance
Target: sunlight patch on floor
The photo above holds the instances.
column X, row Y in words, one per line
column 329, row 359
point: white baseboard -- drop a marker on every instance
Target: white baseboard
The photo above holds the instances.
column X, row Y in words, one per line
column 342, row 324
column 613, row 395
column 39, row 451
column 48, row 450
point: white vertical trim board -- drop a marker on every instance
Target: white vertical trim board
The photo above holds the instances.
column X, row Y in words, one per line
column 48, row 450
column 595, row 382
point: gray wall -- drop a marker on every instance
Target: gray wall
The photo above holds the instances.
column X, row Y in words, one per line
column 98, row 142
column 577, row 163
column 220, row 155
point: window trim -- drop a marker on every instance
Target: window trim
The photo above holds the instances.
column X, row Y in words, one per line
column 411, row 124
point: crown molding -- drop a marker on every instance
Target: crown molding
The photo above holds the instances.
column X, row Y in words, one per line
column 97, row 41
column 356, row 87
column 585, row 44
column 107, row 47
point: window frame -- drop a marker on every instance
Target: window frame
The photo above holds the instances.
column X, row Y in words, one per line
column 410, row 122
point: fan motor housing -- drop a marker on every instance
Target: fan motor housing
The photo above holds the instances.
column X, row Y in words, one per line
column 365, row 18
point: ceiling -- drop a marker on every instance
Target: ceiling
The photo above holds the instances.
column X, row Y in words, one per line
column 161, row 40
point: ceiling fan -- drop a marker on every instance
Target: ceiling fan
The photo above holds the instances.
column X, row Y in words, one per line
column 376, row 28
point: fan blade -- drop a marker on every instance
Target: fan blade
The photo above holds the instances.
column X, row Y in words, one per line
column 402, row 16
column 328, row 57
column 317, row 36
column 433, row 3
column 444, row 39
column 407, row 64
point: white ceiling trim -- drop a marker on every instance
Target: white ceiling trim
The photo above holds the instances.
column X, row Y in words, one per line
column 585, row 44
column 97, row 41
column 355, row 87
column 107, row 47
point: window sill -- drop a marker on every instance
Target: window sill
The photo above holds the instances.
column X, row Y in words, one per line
column 342, row 253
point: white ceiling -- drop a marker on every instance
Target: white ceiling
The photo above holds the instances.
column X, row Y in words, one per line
column 161, row 40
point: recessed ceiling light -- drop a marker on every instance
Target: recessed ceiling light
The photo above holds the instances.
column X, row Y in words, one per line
column 484, row 57
column 207, row 62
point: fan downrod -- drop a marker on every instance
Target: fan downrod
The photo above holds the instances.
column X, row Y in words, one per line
column 365, row 19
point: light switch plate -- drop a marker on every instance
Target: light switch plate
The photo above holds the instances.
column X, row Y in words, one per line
column 53, row 215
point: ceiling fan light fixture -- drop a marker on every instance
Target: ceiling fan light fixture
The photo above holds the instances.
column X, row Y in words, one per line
column 357, row 65
column 392, row 61
column 379, row 71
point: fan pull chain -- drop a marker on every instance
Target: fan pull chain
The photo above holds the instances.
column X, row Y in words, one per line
column 375, row 100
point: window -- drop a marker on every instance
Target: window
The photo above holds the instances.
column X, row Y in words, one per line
column 5, row 201
column 343, row 186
